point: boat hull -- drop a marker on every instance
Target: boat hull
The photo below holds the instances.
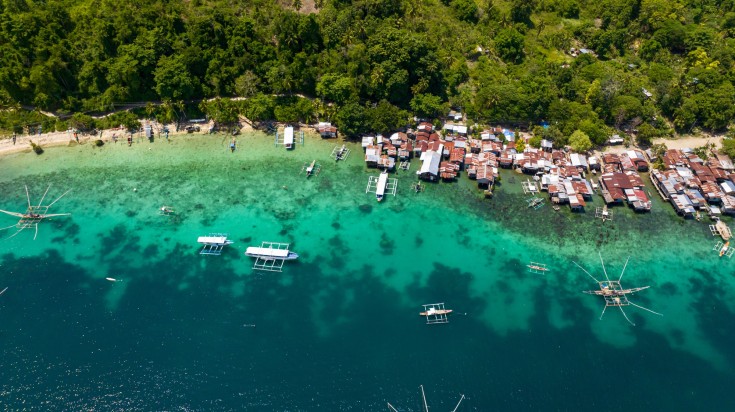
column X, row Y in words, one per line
column 290, row 256
column 436, row 312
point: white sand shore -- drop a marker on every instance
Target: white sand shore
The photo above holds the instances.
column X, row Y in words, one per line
column 66, row 138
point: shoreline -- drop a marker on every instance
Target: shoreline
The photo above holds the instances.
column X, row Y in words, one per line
column 66, row 138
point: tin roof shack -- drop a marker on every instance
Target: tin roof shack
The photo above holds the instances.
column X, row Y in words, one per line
column 626, row 163
column 372, row 155
column 615, row 139
column 638, row 200
column 576, row 202
column 728, row 205
column 728, row 188
column 682, row 205
column 490, row 134
column 674, row 158
column 667, row 182
column 725, row 162
column 639, row 160
column 531, row 161
column 712, row 192
column 399, row 138
column 546, row 145
column 430, row 165
column 389, row 149
column 614, row 185
column 457, row 157
column 448, row 171
column 367, row 141
column 579, row 161
column 406, row 150
column 559, row 158
column 612, row 163
column 451, row 129
column 506, row 158
column 386, row 163
column 594, row 162
column 326, row 130
column 703, row 173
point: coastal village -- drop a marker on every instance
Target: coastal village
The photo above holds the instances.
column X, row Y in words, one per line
column 694, row 186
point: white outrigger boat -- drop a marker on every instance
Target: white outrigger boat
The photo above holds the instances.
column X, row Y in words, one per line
column 213, row 244
column 270, row 256
column 380, row 189
column 270, row 253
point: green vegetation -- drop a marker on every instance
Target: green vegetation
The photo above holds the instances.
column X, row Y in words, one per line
column 370, row 65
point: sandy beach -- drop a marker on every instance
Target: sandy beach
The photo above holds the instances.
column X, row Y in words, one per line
column 67, row 138
column 685, row 141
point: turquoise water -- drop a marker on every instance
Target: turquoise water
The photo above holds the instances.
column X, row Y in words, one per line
column 339, row 328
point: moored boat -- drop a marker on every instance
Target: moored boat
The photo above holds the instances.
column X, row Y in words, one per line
column 382, row 183
column 724, row 248
column 270, row 253
column 433, row 311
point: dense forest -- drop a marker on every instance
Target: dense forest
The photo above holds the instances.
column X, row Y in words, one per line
column 651, row 66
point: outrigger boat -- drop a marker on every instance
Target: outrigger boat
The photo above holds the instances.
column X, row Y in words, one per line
column 382, row 182
column 538, row 268
column 310, row 168
column 432, row 311
column 268, row 253
column 724, row 248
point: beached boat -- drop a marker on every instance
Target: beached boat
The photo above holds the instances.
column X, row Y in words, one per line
column 268, row 253
column 382, row 182
column 724, row 248
column 432, row 311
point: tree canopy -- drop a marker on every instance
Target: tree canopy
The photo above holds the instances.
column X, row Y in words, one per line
column 578, row 65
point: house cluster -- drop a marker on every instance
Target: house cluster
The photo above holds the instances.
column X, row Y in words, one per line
column 442, row 154
column 620, row 182
column 692, row 184
column 564, row 176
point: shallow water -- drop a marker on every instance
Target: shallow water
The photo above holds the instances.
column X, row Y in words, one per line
column 338, row 329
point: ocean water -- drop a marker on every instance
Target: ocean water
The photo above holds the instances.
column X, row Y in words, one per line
column 338, row 329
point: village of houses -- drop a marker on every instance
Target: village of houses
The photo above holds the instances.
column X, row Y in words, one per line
column 693, row 186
